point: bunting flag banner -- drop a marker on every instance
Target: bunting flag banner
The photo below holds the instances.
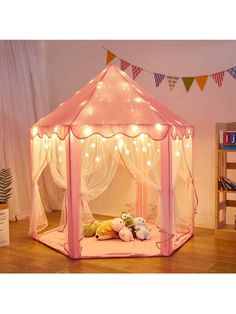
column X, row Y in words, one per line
column 218, row 78
column 172, row 80
column 232, row 71
column 188, row 81
column 110, row 56
column 201, row 80
column 124, row 65
column 136, row 71
column 158, row 78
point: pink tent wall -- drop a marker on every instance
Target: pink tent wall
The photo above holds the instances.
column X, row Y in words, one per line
column 71, row 64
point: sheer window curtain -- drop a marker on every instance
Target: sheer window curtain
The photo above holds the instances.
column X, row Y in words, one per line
column 23, row 100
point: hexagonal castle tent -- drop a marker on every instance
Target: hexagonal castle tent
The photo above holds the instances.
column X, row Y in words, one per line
column 112, row 147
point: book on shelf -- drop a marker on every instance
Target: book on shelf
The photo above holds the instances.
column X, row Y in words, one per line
column 229, row 140
column 225, row 184
column 230, row 182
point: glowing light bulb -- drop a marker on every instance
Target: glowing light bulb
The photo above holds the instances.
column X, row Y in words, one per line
column 61, row 104
column 59, row 159
column 60, row 148
column 93, row 145
column 35, row 141
column 83, row 103
column 86, row 154
column 100, row 85
column 46, row 146
column 134, row 142
column 116, row 147
column 149, row 162
column 158, row 127
column 187, row 145
column 138, row 99
column 158, row 150
column 78, row 91
column 55, row 129
column 142, row 136
column 118, row 136
column 54, row 137
column 177, row 153
column 104, row 139
column 136, row 149
column 35, row 131
column 134, row 127
column 97, row 158
column 87, row 131
column 144, row 149
column 82, row 141
column 148, row 144
column 91, row 81
column 126, row 152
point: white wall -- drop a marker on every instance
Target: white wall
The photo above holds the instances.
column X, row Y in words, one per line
column 71, row 64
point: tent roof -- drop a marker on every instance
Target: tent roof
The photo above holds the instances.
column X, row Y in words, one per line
column 112, row 103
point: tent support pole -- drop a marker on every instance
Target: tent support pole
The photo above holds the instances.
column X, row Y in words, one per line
column 73, row 162
column 166, row 197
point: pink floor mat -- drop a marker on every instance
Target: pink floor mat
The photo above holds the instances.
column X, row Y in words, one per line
column 92, row 248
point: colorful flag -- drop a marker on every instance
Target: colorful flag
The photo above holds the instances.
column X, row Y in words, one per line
column 110, row 56
column 201, row 80
column 232, row 71
column 218, row 78
column 136, row 70
column 158, row 78
column 124, row 65
column 172, row 81
column 188, row 81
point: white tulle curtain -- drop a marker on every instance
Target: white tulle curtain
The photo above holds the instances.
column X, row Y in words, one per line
column 99, row 165
column 100, row 160
column 182, row 183
column 23, row 100
column 141, row 157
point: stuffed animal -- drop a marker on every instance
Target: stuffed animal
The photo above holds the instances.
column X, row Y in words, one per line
column 90, row 230
column 104, row 231
column 141, row 229
column 124, row 232
column 125, row 215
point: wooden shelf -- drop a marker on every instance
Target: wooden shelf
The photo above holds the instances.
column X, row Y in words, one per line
column 227, row 191
column 222, row 204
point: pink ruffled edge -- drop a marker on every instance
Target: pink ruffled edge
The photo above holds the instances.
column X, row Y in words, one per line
column 110, row 131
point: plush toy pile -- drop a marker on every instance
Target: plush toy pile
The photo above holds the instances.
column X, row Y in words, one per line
column 124, row 228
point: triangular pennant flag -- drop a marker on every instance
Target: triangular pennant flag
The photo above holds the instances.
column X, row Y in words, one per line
column 188, row 81
column 172, row 81
column 232, row 71
column 158, row 78
column 136, row 70
column 218, row 78
column 124, row 65
column 201, row 80
column 110, row 56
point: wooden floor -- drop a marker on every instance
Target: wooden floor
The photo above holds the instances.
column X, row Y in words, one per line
column 201, row 254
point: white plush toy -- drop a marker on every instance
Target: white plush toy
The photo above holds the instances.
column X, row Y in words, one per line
column 141, row 229
column 125, row 234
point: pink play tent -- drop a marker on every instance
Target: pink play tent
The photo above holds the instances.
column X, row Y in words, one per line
column 112, row 147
